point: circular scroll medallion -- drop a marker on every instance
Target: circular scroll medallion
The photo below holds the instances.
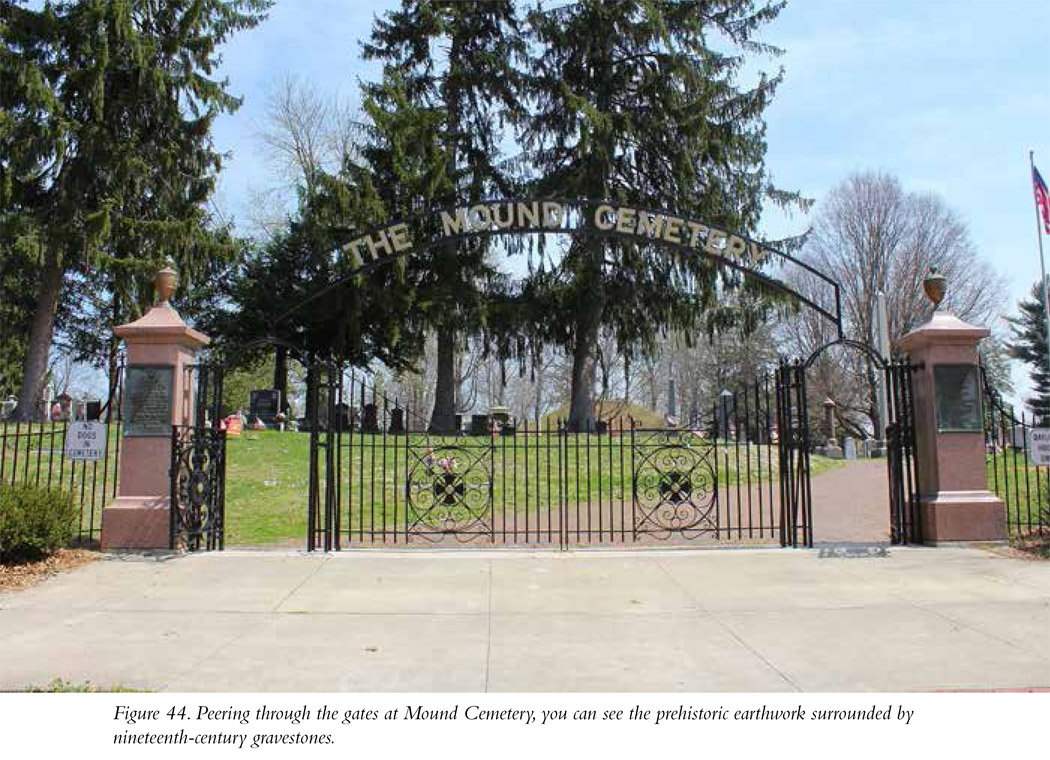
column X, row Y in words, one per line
column 676, row 489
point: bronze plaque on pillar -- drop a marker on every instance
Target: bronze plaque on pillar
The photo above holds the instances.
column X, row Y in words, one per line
column 957, row 388
column 147, row 401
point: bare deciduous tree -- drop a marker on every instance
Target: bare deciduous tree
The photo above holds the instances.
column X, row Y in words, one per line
column 873, row 236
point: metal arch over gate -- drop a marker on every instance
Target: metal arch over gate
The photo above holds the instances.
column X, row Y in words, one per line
column 679, row 234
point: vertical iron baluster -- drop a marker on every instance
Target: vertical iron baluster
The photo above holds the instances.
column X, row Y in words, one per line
column 526, row 479
column 623, row 477
column 758, row 452
column 14, row 465
column 3, row 449
column 634, row 483
column 714, row 455
column 590, row 507
column 503, row 481
column 539, row 450
column 1027, row 480
column 361, row 469
column 385, row 425
column 736, row 474
column 576, row 472
column 51, row 458
column 341, row 421
column 550, row 497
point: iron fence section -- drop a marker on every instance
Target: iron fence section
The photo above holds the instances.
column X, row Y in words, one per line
column 34, row 453
column 1023, row 485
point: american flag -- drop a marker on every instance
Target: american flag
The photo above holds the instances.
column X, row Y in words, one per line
column 1042, row 199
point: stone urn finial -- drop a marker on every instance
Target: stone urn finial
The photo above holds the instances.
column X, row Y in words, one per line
column 165, row 283
column 936, row 286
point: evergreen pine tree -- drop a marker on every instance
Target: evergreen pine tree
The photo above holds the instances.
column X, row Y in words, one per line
column 632, row 101
column 107, row 154
column 1029, row 345
column 476, row 89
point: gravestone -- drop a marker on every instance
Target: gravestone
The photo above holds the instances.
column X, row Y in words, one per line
column 726, row 403
column 397, row 420
column 266, row 405
column 867, row 446
column 93, row 410
column 849, row 448
column 479, row 424
column 370, row 419
column 829, row 419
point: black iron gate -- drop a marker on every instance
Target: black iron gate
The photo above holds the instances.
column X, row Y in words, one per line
column 327, row 421
column 905, row 525
column 198, row 466
column 796, row 493
column 737, row 472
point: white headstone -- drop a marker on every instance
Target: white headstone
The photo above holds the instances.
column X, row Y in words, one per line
column 849, row 448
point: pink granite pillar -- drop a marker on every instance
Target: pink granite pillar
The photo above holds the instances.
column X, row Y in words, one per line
column 954, row 501
column 158, row 393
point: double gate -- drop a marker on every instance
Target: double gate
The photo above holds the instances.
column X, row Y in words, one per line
column 737, row 472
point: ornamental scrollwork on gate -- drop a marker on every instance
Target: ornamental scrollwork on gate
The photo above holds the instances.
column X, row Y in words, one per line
column 675, row 484
column 449, row 490
column 198, row 467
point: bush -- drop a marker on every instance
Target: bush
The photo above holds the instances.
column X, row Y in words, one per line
column 34, row 522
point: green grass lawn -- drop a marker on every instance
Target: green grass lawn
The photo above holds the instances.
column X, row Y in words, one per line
column 1024, row 487
column 267, row 475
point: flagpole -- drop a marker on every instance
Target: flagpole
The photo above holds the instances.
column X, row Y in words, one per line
column 1042, row 262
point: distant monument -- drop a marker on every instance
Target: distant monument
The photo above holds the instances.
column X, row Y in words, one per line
column 266, row 405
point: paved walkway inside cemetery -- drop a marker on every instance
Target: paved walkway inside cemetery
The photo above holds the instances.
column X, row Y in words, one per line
column 671, row 620
column 851, row 503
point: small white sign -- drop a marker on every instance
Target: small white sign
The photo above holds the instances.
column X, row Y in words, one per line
column 86, row 441
column 1039, row 447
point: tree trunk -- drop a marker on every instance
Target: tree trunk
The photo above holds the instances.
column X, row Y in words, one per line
column 311, row 378
column 40, row 335
column 113, row 360
column 280, row 377
column 443, row 419
column 581, row 403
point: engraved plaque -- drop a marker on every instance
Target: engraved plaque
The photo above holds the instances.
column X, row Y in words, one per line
column 958, row 394
column 147, row 401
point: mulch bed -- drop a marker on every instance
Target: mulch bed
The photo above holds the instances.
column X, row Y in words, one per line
column 21, row 576
column 1035, row 546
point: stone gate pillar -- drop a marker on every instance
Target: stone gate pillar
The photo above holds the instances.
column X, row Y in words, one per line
column 954, row 501
column 158, row 393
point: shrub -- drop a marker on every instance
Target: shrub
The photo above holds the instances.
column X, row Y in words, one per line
column 34, row 522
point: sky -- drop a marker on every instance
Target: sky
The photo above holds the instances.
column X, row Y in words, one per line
column 947, row 96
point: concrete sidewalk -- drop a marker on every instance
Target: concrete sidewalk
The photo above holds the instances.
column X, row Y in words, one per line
column 689, row 620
